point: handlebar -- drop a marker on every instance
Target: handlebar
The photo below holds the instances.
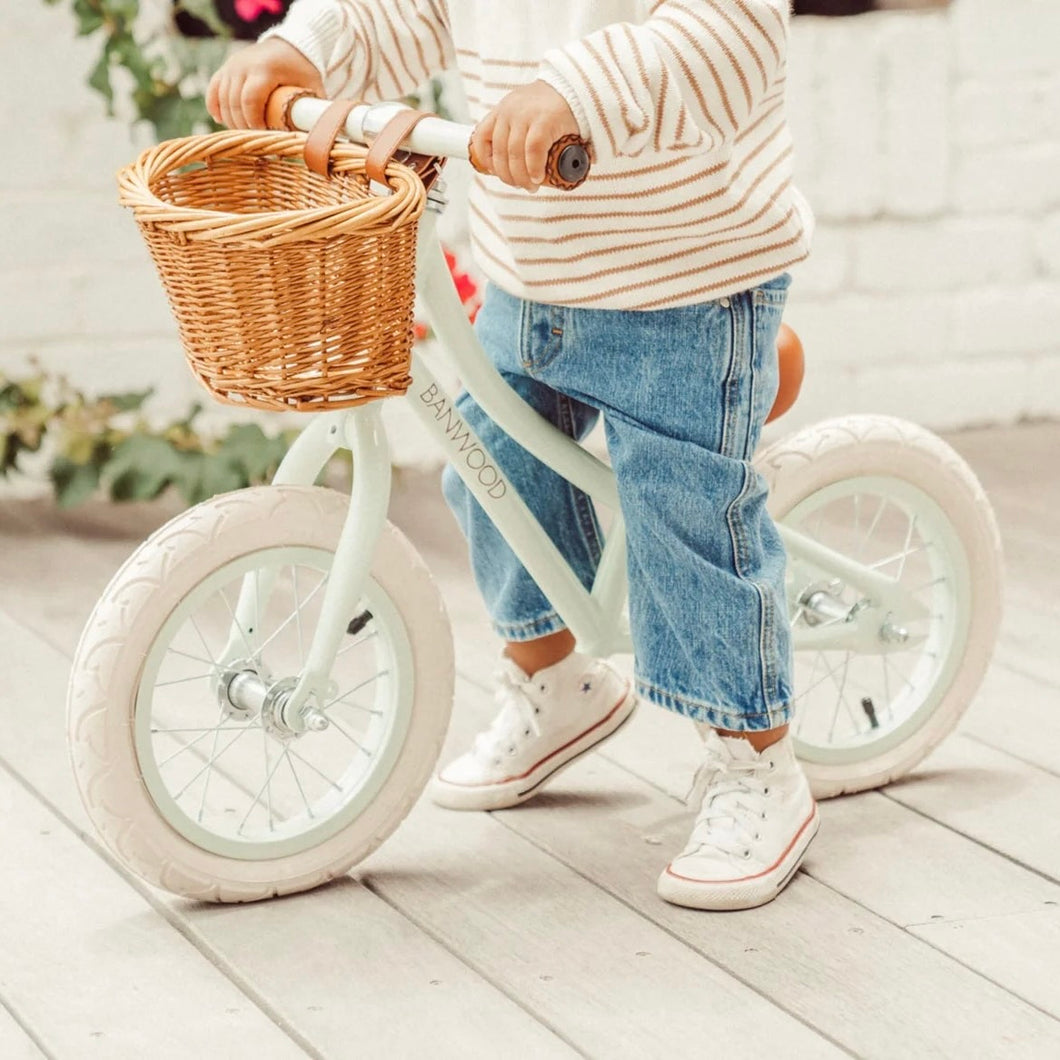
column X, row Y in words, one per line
column 295, row 109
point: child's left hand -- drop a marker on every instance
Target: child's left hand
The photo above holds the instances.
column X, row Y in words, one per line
column 513, row 140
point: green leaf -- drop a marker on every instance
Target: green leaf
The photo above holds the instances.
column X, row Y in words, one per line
column 125, row 10
column 249, row 450
column 130, row 402
column 172, row 115
column 219, row 477
column 205, row 11
column 99, row 79
column 89, row 16
column 10, row 447
column 12, row 396
column 127, row 51
column 141, row 468
column 201, row 476
column 73, row 483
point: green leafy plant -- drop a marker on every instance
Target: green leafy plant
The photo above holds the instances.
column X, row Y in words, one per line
column 162, row 75
column 106, row 443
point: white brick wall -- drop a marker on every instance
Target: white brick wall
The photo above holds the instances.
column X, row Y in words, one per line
column 929, row 145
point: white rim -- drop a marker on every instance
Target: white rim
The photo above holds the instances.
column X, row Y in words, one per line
column 228, row 784
column 850, row 706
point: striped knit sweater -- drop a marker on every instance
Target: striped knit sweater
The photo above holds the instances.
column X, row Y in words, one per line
column 690, row 196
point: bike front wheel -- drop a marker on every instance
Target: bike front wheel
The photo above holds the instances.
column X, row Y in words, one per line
column 213, row 796
column 896, row 499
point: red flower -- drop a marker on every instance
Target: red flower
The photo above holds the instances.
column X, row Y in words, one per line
column 250, row 10
column 466, row 288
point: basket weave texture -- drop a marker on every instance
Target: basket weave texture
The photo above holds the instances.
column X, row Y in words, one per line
column 291, row 290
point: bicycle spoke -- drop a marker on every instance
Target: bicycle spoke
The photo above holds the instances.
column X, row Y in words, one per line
column 213, row 758
column 903, row 556
column 298, row 610
column 287, row 621
column 872, row 528
column 189, row 746
column 205, row 646
column 212, row 728
column 357, row 688
column 298, row 782
column 261, row 790
column 183, row 680
column 905, row 680
column 908, row 538
column 841, row 702
column 306, row 762
column 228, row 604
column 194, row 658
column 360, row 747
column 268, row 779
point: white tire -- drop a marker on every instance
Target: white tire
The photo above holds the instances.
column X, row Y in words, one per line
column 883, row 476
column 332, row 796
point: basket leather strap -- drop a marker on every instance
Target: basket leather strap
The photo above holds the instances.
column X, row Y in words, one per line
column 325, row 132
column 389, row 140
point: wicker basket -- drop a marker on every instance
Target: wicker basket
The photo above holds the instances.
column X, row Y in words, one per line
column 291, row 290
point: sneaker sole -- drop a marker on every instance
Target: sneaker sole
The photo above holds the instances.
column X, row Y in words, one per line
column 520, row 789
column 746, row 893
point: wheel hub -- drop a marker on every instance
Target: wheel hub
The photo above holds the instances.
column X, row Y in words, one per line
column 245, row 694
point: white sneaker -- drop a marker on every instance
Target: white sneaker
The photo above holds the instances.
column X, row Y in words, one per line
column 756, row 821
column 545, row 722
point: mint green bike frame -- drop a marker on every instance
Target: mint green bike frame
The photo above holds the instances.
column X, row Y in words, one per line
column 597, row 617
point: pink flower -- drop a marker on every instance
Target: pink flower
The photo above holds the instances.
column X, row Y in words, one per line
column 249, row 10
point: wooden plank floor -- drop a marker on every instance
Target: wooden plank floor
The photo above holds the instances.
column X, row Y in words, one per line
column 926, row 921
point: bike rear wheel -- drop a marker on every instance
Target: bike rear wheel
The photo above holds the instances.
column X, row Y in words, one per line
column 211, row 795
column 898, row 499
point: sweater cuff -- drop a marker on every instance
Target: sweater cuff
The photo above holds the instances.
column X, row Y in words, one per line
column 606, row 110
column 313, row 28
column 554, row 80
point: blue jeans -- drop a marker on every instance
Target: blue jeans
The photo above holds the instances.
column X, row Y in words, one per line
column 683, row 393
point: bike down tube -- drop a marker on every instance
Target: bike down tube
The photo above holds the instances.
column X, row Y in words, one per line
column 583, row 614
column 537, row 435
column 593, row 618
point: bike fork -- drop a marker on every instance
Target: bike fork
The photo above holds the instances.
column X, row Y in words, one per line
column 361, row 431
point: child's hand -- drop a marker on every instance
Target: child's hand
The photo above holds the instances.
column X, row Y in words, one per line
column 239, row 90
column 513, row 140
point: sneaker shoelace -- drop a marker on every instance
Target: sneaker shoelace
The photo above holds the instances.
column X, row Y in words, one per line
column 731, row 790
column 516, row 720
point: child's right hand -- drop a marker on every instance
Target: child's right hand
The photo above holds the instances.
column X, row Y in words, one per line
column 239, row 90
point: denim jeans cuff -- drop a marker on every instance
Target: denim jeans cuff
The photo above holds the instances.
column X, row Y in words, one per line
column 714, row 716
column 541, row 626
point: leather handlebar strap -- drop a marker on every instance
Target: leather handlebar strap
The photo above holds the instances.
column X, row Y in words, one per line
column 325, row 132
column 386, row 145
column 330, row 124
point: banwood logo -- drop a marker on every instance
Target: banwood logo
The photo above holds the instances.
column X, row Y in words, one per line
column 464, row 446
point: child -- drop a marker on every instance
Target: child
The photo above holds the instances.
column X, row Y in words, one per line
column 652, row 295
